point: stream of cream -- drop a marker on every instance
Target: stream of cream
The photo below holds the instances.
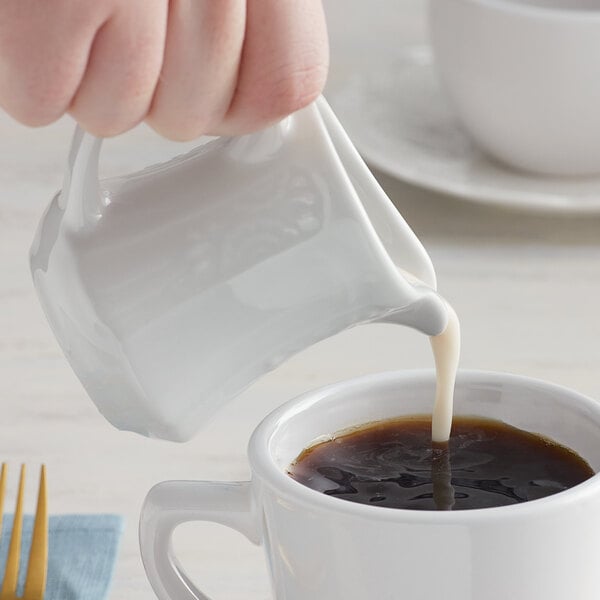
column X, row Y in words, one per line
column 446, row 352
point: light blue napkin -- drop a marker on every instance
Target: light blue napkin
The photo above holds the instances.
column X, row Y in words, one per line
column 82, row 550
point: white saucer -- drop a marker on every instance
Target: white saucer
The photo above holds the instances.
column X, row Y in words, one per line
column 402, row 124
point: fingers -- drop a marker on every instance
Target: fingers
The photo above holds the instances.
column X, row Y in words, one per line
column 44, row 49
column 283, row 66
column 190, row 66
column 99, row 61
column 200, row 67
column 223, row 78
column 116, row 90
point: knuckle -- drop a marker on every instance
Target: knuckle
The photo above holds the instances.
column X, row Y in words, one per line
column 177, row 129
column 104, row 125
column 294, row 89
column 106, row 111
column 33, row 117
column 37, row 99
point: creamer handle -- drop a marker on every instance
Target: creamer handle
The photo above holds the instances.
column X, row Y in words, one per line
column 80, row 197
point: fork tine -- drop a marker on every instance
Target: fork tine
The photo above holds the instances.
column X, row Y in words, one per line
column 2, row 490
column 11, row 573
column 35, row 583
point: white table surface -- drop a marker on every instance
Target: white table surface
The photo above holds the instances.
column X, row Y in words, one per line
column 527, row 290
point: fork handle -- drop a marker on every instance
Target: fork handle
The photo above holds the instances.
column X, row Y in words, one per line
column 171, row 503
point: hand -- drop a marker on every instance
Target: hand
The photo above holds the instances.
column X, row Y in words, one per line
column 188, row 67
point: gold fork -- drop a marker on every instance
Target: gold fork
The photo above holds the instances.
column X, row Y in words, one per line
column 35, row 582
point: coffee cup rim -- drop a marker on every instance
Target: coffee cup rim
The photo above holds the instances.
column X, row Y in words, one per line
column 269, row 474
column 535, row 11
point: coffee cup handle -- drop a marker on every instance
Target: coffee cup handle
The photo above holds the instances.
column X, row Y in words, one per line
column 171, row 503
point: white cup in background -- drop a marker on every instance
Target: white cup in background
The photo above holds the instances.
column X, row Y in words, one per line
column 323, row 548
column 524, row 78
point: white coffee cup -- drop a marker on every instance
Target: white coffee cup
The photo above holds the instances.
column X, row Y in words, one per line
column 324, row 548
column 524, row 78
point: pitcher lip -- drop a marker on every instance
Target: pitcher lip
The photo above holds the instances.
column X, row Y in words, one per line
column 265, row 470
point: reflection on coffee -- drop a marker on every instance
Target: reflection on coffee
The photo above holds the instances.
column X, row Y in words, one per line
column 486, row 463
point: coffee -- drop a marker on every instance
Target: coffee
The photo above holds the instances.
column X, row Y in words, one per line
column 486, row 463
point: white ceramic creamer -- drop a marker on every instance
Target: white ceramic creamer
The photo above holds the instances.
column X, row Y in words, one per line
column 172, row 289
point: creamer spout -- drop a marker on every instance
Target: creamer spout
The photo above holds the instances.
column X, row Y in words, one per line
column 427, row 313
